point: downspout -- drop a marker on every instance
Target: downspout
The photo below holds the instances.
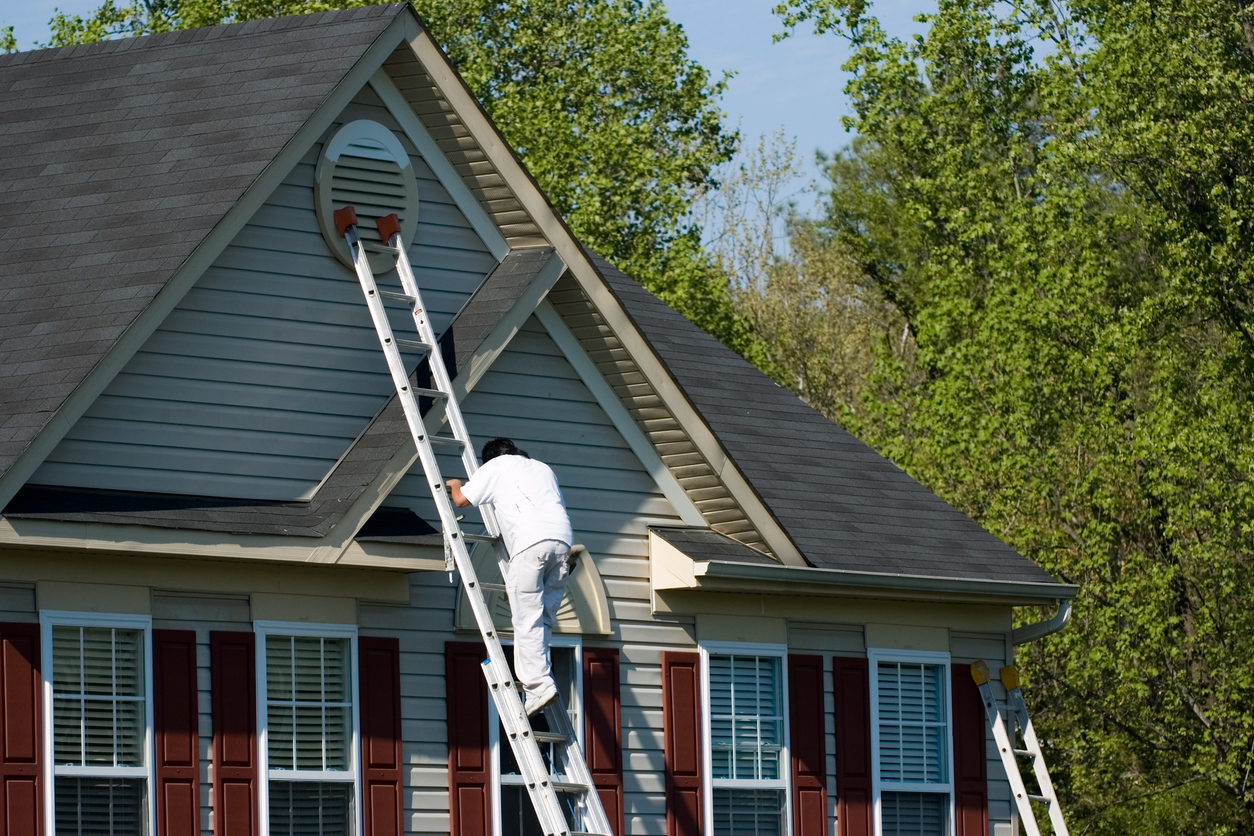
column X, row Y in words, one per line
column 1041, row 629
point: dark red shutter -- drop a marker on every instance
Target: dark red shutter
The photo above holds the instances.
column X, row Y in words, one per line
column 970, row 764
column 469, row 767
column 380, row 684
column 234, row 687
column 807, row 737
column 604, row 729
column 21, row 768
column 851, row 686
column 681, row 723
column 176, row 720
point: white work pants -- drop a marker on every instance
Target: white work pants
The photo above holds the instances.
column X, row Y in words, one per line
column 536, row 583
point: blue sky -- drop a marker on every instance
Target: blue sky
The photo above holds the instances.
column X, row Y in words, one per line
column 796, row 84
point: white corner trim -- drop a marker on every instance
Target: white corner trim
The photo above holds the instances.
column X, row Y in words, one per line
column 133, row 338
column 569, row 345
column 447, row 175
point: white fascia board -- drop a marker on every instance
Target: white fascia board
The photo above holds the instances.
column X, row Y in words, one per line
column 440, row 166
column 569, row 345
column 403, row 28
column 726, row 576
column 524, row 187
column 333, row 547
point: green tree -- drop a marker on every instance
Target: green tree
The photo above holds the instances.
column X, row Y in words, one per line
column 619, row 126
column 1055, row 197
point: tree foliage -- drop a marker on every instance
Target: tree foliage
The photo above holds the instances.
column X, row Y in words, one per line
column 1056, row 198
column 619, row 126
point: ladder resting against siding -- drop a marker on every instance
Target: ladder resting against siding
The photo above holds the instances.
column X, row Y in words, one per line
column 559, row 784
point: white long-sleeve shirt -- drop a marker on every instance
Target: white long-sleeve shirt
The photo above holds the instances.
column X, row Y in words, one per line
column 528, row 503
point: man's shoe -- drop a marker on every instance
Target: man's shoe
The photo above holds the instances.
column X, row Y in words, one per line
column 538, row 702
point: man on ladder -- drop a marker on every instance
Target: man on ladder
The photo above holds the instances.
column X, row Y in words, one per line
column 529, row 509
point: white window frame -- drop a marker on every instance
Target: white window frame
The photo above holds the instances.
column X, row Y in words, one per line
column 69, row 618
column 923, row 657
column 785, row 761
column 262, row 629
column 494, row 723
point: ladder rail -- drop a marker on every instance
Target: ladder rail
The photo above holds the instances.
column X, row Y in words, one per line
column 1014, row 697
column 543, row 787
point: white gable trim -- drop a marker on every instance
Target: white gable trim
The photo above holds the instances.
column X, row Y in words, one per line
column 403, row 27
column 627, row 427
column 442, row 168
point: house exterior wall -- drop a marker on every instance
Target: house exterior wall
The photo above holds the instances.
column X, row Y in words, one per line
column 269, row 367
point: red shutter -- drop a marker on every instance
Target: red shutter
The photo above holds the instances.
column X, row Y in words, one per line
column 807, row 736
column 380, row 684
column 604, row 729
column 851, row 686
column 681, row 722
column 469, row 768
column 234, row 681
column 970, row 755
column 21, row 769
column 176, row 719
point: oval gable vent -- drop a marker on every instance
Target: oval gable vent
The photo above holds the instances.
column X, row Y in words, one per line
column 365, row 166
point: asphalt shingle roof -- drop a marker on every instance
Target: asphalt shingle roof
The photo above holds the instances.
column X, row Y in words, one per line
column 119, row 158
column 842, row 504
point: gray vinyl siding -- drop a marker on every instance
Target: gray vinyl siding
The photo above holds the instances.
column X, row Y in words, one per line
column 533, row 395
column 202, row 613
column 17, row 602
column 268, row 369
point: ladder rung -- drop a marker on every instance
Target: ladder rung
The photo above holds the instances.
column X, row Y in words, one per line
column 402, row 297
column 1024, row 753
column 1040, row 799
column 378, row 248
column 416, row 345
column 586, row 833
column 479, row 538
column 429, row 393
column 451, row 442
column 568, row 786
column 492, row 587
column 548, row 737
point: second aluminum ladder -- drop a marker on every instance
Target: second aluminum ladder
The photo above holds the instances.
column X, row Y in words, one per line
column 560, row 786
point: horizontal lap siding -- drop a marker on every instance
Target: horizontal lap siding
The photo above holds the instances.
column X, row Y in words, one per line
column 267, row 370
column 533, row 395
column 202, row 613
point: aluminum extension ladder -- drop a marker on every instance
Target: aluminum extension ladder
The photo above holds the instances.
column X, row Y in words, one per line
column 560, row 786
column 1010, row 754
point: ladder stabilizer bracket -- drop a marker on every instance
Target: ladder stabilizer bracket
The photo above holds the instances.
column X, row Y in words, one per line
column 344, row 218
column 1010, row 677
column 979, row 672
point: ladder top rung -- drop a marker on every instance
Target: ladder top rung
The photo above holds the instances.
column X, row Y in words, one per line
column 372, row 247
column 403, row 297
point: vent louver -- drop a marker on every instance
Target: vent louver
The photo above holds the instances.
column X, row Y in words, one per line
column 365, row 166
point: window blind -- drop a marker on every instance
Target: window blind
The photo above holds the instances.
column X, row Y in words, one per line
column 913, row 814
column 99, row 806
column 310, row 808
column 309, row 708
column 746, row 700
column 98, row 709
column 912, row 723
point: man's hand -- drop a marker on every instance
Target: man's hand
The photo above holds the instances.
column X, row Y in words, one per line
column 454, row 487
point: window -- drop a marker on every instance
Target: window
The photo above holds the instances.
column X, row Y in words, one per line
column 513, row 813
column 308, row 717
column 746, row 732
column 98, row 722
column 910, row 743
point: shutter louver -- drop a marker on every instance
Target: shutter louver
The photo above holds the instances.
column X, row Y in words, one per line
column 234, row 687
column 807, row 739
column 851, row 686
column 469, row 767
column 21, row 741
column 176, row 720
column 382, row 776
column 681, row 720
column 970, row 755
column 604, row 729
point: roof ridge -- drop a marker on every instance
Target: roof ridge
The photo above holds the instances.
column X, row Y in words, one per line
column 178, row 37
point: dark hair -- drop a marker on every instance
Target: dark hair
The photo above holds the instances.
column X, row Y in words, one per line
column 501, row 447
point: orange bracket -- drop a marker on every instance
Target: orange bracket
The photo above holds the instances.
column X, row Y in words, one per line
column 344, row 218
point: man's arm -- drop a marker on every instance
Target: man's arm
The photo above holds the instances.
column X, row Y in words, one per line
column 455, row 488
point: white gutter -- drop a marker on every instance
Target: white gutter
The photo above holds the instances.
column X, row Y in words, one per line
column 1041, row 629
